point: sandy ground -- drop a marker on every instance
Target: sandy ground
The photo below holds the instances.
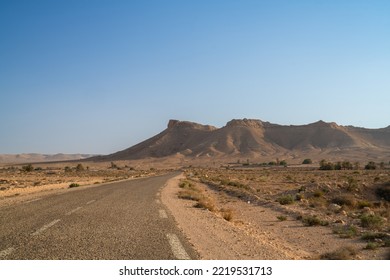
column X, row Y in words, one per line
column 254, row 232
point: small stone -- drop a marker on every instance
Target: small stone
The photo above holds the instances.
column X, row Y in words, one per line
column 334, row 207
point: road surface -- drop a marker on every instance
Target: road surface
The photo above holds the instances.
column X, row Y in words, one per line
column 120, row 221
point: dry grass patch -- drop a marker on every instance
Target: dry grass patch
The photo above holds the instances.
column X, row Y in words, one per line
column 344, row 253
column 191, row 192
column 227, row 214
column 346, row 231
column 206, row 203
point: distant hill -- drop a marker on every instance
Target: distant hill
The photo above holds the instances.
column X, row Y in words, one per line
column 251, row 138
column 29, row 158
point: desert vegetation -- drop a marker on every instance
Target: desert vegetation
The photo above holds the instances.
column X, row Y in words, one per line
column 17, row 180
column 190, row 191
column 353, row 202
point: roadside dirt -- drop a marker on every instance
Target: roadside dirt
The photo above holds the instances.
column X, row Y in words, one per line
column 254, row 232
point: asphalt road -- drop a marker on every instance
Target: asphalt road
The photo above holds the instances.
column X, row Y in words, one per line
column 119, row 221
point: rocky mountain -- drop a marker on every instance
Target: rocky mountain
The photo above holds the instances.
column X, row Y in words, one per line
column 251, row 138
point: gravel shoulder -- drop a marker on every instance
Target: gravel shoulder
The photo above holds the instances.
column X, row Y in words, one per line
column 254, row 232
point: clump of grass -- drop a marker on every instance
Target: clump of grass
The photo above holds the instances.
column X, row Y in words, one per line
column 384, row 191
column 380, row 238
column 318, row 193
column 371, row 221
column 281, row 218
column 344, row 253
column 227, row 214
column 237, row 185
column 372, row 246
column 74, row 185
column 346, row 200
column 205, row 203
column 189, row 195
column 347, row 231
column 371, row 236
column 286, row 199
column 310, row 221
column 363, row 203
column 186, row 185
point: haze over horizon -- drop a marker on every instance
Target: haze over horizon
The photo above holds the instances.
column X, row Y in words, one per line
column 100, row 76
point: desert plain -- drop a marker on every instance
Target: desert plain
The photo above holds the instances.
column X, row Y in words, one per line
column 250, row 190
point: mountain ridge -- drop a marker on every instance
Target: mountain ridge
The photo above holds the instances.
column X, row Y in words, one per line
column 253, row 138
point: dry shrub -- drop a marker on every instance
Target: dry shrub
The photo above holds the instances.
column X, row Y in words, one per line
column 345, row 231
column 227, row 214
column 310, row 221
column 205, row 203
column 371, row 221
column 344, row 253
column 281, row 218
column 347, row 200
column 286, row 199
column 189, row 195
column 384, row 191
column 186, row 185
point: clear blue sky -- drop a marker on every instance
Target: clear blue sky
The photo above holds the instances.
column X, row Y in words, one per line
column 100, row 76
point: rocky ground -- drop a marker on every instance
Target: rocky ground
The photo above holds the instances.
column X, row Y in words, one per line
column 238, row 221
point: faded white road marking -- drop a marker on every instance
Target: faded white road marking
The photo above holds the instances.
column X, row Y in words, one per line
column 6, row 252
column 158, row 201
column 177, row 249
column 45, row 227
column 72, row 211
column 28, row 201
column 91, row 201
column 163, row 214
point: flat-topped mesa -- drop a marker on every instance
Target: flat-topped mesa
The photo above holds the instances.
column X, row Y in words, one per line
column 321, row 123
column 246, row 123
column 172, row 123
column 186, row 124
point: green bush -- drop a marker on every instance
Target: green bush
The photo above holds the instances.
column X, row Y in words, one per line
column 281, row 218
column 324, row 165
column 370, row 166
column 372, row 236
column 307, row 161
column 28, row 168
column 384, row 191
column 74, row 185
column 371, row 221
column 313, row 221
column 286, row 199
column 372, row 246
column 346, row 231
